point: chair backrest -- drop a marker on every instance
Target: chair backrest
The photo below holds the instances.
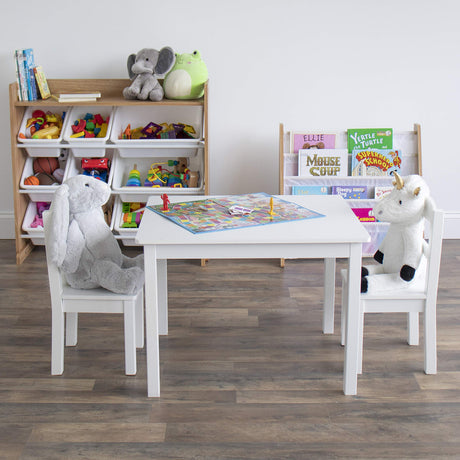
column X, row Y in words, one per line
column 55, row 276
column 435, row 219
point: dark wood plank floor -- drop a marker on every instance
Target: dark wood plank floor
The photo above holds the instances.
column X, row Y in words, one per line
column 246, row 373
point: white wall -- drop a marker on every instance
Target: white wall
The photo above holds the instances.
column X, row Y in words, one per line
column 329, row 64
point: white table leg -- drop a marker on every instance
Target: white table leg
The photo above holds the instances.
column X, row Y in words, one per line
column 329, row 296
column 151, row 321
column 350, row 369
column 162, row 267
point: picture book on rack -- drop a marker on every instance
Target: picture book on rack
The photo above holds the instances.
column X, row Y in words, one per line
column 311, row 140
column 323, row 162
column 370, row 138
column 375, row 162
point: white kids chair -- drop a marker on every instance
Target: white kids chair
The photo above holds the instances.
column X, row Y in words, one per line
column 420, row 298
column 67, row 302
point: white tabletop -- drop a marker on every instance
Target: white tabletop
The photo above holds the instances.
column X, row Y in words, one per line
column 339, row 225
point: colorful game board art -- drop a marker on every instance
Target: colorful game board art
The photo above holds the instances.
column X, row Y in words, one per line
column 215, row 214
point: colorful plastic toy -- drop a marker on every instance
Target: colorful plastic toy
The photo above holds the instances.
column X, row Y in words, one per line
column 96, row 167
column 134, row 178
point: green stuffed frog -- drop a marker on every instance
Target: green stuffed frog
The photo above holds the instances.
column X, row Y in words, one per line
column 187, row 78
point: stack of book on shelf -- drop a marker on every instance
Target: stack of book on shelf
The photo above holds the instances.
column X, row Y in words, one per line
column 77, row 96
column 368, row 153
column 32, row 84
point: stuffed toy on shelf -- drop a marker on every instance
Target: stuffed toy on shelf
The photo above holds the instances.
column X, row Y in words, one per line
column 82, row 245
column 401, row 254
column 144, row 68
column 187, row 78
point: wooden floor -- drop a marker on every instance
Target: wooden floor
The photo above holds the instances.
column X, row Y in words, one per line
column 246, row 373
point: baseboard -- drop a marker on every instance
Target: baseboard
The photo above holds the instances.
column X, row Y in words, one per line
column 6, row 225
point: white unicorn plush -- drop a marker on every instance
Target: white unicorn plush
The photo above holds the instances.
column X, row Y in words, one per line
column 401, row 254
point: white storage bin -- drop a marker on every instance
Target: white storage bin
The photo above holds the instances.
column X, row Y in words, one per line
column 126, row 235
column 37, row 192
column 377, row 232
column 140, row 116
column 43, row 147
column 36, row 234
column 74, row 166
column 88, row 147
column 123, row 165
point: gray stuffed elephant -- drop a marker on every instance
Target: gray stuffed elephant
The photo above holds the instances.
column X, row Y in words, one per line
column 82, row 245
column 144, row 68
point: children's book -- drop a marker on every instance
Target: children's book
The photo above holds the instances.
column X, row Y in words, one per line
column 29, row 64
column 364, row 214
column 375, row 162
column 370, row 138
column 323, row 162
column 310, row 190
column 350, row 192
column 311, row 140
column 22, row 81
column 381, row 190
column 41, row 82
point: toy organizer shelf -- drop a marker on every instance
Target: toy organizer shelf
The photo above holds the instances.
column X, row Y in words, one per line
column 123, row 154
column 408, row 141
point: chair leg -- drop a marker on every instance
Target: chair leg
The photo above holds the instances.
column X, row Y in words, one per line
column 430, row 339
column 412, row 328
column 57, row 341
column 139, row 316
column 71, row 329
column 361, row 340
column 130, row 337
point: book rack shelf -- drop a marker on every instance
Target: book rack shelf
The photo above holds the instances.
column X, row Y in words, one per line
column 111, row 95
column 408, row 141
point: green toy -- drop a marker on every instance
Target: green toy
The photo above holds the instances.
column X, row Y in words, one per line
column 187, row 77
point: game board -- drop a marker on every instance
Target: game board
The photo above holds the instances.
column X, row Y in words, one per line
column 211, row 215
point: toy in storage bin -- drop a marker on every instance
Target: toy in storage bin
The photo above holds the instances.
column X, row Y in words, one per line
column 123, row 166
column 88, row 146
column 141, row 116
column 30, row 224
column 74, row 165
column 42, row 147
column 127, row 234
column 38, row 192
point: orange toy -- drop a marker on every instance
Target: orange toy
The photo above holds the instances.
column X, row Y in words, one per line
column 31, row 180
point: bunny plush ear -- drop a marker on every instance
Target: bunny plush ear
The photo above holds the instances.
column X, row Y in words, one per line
column 57, row 225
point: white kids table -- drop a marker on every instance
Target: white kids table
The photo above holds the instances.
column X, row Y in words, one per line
column 337, row 234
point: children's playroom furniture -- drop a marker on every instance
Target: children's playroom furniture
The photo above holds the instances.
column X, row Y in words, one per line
column 411, row 301
column 408, row 141
column 67, row 302
column 337, row 234
column 111, row 97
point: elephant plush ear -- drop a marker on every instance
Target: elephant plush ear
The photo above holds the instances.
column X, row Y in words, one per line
column 130, row 62
column 57, row 225
column 166, row 60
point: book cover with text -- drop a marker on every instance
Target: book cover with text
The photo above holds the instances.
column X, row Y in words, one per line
column 311, row 140
column 375, row 162
column 369, row 138
column 323, row 162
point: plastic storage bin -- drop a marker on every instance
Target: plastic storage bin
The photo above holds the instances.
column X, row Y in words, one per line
column 36, row 234
column 126, row 235
column 88, row 147
column 37, row 192
column 123, row 166
column 43, row 147
column 142, row 116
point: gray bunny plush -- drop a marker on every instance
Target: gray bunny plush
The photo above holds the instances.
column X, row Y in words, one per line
column 144, row 68
column 82, row 245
